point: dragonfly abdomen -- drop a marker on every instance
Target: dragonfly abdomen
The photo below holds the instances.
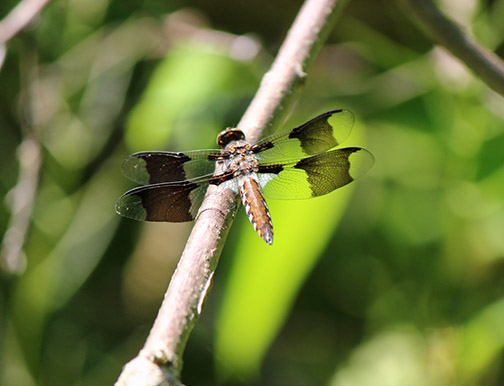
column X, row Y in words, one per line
column 256, row 208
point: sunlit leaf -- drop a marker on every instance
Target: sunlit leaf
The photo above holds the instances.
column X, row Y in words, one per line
column 184, row 86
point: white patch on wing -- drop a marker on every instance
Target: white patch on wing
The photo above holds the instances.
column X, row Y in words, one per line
column 264, row 178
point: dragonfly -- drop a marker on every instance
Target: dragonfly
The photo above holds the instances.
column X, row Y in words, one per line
column 299, row 163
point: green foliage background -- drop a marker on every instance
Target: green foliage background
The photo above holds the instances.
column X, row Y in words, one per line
column 397, row 279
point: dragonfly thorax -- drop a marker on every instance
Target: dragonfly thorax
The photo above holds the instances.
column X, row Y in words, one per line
column 241, row 160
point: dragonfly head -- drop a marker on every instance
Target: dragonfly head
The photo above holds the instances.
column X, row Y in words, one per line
column 229, row 135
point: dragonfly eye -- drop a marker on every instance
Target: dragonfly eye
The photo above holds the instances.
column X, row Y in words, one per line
column 229, row 135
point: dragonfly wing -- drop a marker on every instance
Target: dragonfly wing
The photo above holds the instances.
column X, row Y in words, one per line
column 318, row 135
column 316, row 175
column 160, row 166
column 170, row 202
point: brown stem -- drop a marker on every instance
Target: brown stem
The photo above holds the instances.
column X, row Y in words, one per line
column 485, row 64
column 159, row 361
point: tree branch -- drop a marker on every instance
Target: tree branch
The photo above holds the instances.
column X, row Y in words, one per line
column 159, row 361
column 485, row 64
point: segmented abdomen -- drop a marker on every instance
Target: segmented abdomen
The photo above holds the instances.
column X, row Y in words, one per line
column 256, row 208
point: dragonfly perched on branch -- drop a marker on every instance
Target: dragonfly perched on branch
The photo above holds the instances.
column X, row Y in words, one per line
column 292, row 164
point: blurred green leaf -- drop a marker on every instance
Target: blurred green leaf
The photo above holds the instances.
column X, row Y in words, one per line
column 265, row 279
column 480, row 342
column 393, row 358
column 47, row 286
column 186, row 92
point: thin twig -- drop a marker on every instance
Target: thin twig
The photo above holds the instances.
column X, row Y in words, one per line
column 21, row 198
column 159, row 361
column 19, row 17
column 16, row 20
column 12, row 258
column 485, row 64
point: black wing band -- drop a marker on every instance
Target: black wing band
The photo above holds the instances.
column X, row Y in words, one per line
column 318, row 135
column 158, row 166
column 162, row 202
column 314, row 176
